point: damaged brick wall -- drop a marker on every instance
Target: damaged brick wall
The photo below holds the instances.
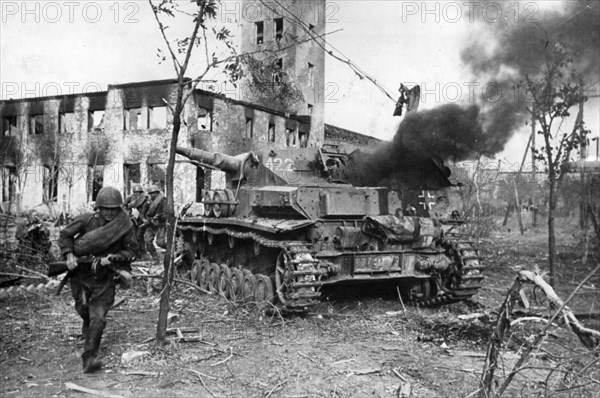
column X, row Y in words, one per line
column 305, row 62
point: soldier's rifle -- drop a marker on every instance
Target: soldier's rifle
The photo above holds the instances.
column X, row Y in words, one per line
column 59, row 267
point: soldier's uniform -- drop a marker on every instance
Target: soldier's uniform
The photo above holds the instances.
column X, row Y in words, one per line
column 93, row 288
column 156, row 217
column 139, row 201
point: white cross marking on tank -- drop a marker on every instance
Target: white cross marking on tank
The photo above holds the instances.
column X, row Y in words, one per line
column 426, row 203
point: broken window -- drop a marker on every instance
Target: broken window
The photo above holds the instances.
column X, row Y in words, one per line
column 9, row 125
column 309, row 109
column 311, row 27
column 131, row 175
column 278, row 28
column 199, row 183
column 50, row 184
column 157, row 117
column 271, row 132
column 66, row 122
column 260, row 32
column 133, row 119
column 311, row 75
column 95, row 120
column 9, row 178
column 95, row 181
column 204, row 119
column 36, row 124
column 249, row 128
column 303, row 138
column 290, row 137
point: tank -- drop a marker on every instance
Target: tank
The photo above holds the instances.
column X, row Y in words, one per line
column 288, row 223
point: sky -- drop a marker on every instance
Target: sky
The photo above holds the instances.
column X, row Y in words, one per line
column 62, row 47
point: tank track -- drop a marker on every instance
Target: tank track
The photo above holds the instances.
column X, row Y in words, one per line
column 463, row 279
column 300, row 274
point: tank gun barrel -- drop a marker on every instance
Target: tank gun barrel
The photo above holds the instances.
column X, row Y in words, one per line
column 234, row 165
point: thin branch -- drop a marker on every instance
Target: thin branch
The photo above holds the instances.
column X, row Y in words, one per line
column 161, row 27
column 205, row 43
column 199, row 21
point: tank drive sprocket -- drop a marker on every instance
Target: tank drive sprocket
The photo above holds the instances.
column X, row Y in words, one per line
column 460, row 282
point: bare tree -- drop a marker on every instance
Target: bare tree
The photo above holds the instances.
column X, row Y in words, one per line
column 180, row 52
column 554, row 92
column 15, row 155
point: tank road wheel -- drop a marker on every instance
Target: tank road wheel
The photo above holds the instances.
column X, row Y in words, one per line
column 235, row 287
column 263, row 293
column 224, row 281
column 203, row 274
column 218, row 208
column 248, row 286
column 420, row 291
column 213, row 276
column 195, row 272
column 208, row 207
column 283, row 276
column 230, row 197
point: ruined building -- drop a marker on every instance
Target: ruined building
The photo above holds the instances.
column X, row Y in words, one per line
column 61, row 150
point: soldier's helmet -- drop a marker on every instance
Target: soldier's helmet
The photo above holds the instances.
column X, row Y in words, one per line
column 138, row 188
column 153, row 189
column 109, row 197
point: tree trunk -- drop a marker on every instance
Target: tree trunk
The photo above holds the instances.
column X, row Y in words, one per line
column 69, row 200
column 507, row 213
column 518, row 207
column 551, row 233
column 163, row 312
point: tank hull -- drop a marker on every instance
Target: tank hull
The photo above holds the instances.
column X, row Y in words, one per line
column 294, row 262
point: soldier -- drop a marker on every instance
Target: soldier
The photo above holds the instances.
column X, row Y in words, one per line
column 155, row 223
column 137, row 204
column 137, row 200
column 108, row 231
column 33, row 236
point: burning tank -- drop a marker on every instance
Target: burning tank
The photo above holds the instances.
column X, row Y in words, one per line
column 285, row 226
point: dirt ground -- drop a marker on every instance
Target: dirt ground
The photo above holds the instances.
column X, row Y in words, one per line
column 359, row 342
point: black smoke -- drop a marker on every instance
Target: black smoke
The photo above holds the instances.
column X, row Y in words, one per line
column 525, row 42
column 522, row 44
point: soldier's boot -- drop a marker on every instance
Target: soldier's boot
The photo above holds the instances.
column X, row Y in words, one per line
column 92, row 345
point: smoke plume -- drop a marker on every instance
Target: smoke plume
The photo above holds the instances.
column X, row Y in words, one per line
column 521, row 45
